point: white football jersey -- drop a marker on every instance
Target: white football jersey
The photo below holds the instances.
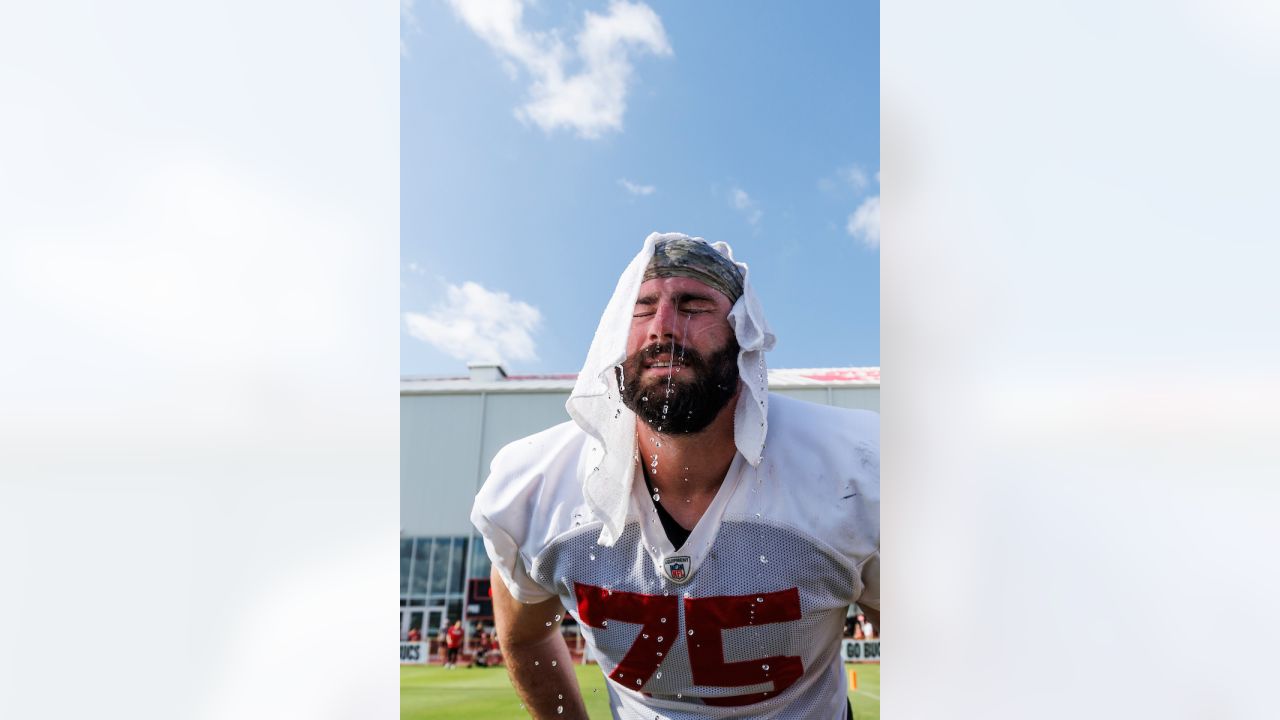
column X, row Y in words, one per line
column 744, row 619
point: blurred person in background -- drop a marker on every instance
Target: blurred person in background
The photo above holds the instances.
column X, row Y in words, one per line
column 453, row 643
column 483, row 647
column 865, row 629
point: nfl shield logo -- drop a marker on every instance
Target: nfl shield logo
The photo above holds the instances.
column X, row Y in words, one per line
column 677, row 568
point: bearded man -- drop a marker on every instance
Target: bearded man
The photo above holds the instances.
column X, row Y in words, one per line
column 706, row 535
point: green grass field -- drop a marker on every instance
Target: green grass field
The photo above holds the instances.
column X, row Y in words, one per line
column 433, row 693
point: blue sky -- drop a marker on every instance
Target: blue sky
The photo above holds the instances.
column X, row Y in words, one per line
column 540, row 144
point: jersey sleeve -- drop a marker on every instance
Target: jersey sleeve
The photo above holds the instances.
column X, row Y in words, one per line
column 870, row 596
column 865, row 474
column 504, row 514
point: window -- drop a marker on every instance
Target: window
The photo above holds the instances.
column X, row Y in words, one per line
column 421, row 567
column 480, row 565
column 440, row 566
column 456, row 581
column 435, row 569
column 406, row 563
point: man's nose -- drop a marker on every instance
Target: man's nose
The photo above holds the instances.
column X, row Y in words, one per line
column 662, row 326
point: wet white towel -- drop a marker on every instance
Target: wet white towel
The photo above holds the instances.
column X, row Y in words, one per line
column 596, row 403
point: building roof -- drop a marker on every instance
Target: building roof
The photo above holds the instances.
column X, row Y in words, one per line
column 563, row 383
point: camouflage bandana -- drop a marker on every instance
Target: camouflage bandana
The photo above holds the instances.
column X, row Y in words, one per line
column 684, row 257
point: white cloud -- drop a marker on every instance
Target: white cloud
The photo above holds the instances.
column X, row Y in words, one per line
column 864, row 223
column 591, row 101
column 635, row 189
column 478, row 324
column 856, row 177
column 741, row 201
column 407, row 20
column 844, row 179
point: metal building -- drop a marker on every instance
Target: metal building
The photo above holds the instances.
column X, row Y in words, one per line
column 450, row 429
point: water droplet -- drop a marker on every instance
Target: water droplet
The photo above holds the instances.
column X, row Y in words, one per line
column 764, row 559
column 679, row 695
column 645, row 636
column 559, row 709
column 656, row 497
column 593, row 556
column 690, row 632
column 643, row 399
column 658, row 675
column 664, row 619
column 558, row 615
column 559, row 697
column 638, row 681
column 659, row 638
column 553, row 663
column 764, row 667
column 548, row 623
column 604, row 623
column 535, row 662
column 759, row 599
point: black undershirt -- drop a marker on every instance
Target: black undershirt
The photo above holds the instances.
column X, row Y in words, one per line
column 674, row 530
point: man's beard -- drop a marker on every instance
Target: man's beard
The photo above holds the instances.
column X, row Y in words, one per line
column 678, row 405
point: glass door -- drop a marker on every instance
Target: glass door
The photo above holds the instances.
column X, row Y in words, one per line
column 434, row 621
column 411, row 618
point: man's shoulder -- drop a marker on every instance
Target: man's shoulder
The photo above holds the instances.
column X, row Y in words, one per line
column 540, row 449
column 829, row 459
column 537, row 469
column 794, row 419
column 824, row 443
column 534, row 485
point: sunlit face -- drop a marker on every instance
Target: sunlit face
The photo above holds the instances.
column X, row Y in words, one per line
column 681, row 366
column 682, row 311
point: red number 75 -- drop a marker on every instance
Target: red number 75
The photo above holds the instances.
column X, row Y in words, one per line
column 706, row 617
